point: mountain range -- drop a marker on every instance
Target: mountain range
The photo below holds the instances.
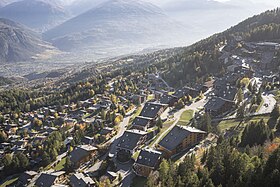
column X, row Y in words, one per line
column 18, row 43
column 114, row 23
column 39, row 15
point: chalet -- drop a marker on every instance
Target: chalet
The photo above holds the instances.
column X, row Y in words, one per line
column 131, row 140
column 207, row 85
column 26, row 177
column 218, row 106
column 180, row 93
column 82, row 153
column 49, row 178
column 95, row 170
column 169, row 100
column 268, row 46
column 153, row 110
column 179, row 139
column 87, row 140
column 70, row 122
column 94, row 108
column 107, row 132
column 244, row 71
column 112, row 176
column 68, row 140
column 193, row 92
column 80, row 180
column 138, row 99
column 227, row 92
column 147, row 161
column 105, row 104
column 142, row 123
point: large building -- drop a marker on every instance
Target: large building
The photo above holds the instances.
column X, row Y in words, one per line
column 153, row 110
column 142, row 123
column 82, row 153
column 179, row 139
column 217, row 106
column 131, row 140
column 147, row 161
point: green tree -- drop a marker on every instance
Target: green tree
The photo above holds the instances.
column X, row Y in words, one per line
column 46, row 160
column 255, row 134
column 240, row 96
column 68, row 164
column 159, row 123
column 275, row 112
column 164, row 170
column 241, row 111
column 23, row 161
column 3, row 137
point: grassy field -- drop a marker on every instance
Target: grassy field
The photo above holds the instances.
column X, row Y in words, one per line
column 139, row 181
column 150, row 97
column 136, row 113
column 162, row 130
column 227, row 124
column 187, row 115
column 9, row 182
column 135, row 155
column 60, row 165
column 185, row 118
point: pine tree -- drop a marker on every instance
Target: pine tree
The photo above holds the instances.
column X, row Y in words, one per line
column 275, row 112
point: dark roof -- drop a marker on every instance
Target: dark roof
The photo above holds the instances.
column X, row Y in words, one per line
column 176, row 136
column 166, row 99
column 130, row 139
column 187, row 90
column 227, row 92
column 148, row 157
column 26, row 176
column 45, row 180
column 106, row 130
column 141, row 121
column 81, row 152
column 180, row 93
column 215, row 104
column 80, row 180
column 150, row 110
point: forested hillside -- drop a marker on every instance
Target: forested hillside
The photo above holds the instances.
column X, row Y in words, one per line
column 198, row 61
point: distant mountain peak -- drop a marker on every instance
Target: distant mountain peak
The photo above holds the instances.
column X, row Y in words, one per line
column 36, row 14
column 116, row 22
column 18, row 43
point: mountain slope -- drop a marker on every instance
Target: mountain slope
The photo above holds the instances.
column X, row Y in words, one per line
column 37, row 14
column 116, row 22
column 201, row 59
column 18, row 43
column 190, row 5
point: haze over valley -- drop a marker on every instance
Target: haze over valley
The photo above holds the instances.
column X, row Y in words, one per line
column 86, row 30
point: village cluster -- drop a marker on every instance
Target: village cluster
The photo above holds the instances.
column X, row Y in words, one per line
column 126, row 137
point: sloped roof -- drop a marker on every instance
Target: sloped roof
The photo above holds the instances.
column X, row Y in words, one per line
column 81, row 152
column 150, row 110
column 130, row 139
column 141, row 121
column 148, row 157
column 80, row 180
column 176, row 136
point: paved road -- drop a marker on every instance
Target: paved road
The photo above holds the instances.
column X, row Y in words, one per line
column 59, row 158
column 122, row 128
column 268, row 104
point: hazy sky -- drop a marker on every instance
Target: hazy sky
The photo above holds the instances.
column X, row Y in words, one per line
column 163, row 2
